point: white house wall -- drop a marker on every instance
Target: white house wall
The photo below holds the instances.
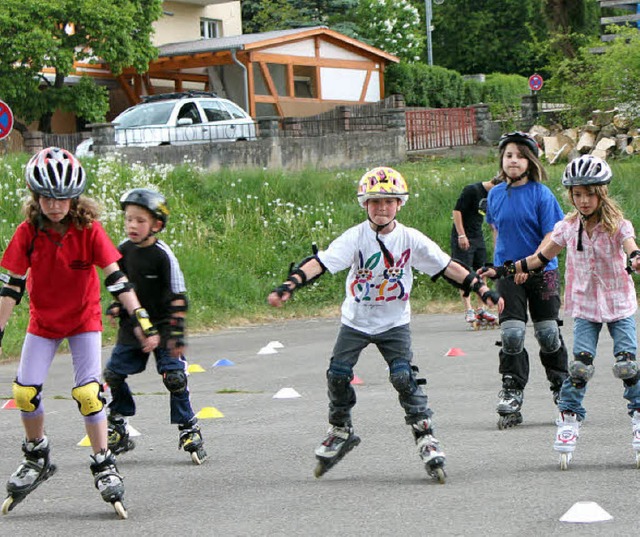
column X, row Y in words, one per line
column 305, row 48
column 373, row 91
column 334, row 52
column 342, row 84
column 184, row 23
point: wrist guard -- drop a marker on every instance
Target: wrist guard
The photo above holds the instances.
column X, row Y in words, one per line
column 291, row 284
column 490, row 294
column 113, row 309
column 1, row 336
column 141, row 318
column 20, row 283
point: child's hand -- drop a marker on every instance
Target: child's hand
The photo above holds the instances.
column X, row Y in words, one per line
column 113, row 312
column 277, row 299
column 148, row 343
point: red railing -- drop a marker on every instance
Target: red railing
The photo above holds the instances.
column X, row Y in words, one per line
column 441, row 127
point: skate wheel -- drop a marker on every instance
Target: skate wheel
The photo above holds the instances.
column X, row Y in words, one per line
column 7, row 505
column 199, row 456
column 120, row 510
column 439, row 475
column 319, row 470
column 564, row 460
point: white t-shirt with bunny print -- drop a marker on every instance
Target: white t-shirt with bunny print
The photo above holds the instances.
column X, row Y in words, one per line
column 378, row 289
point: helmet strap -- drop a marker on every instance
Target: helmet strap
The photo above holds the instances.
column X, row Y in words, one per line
column 385, row 251
column 519, row 178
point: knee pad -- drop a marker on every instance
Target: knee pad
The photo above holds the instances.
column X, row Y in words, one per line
column 626, row 367
column 88, row 397
column 581, row 369
column 339, row 376
column 114, row 380
column 27, row 398
column 175, row 380
column 512, row 333
column 548, row 335
column 401, row 375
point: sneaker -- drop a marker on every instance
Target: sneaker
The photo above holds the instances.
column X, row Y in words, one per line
column 567, row 433
column 635, row 423
column 470, row 316
column 335, row 440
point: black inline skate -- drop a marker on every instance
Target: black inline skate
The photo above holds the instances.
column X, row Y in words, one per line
column 429, row 450
column 339, row 442
column 108, row 481
column 32, row 472
column 509, row 405
column 118, row 435
column 191, row 441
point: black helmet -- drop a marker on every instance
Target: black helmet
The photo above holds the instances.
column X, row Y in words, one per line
column 55, row 173
column 518, row 137
column 154, row 202
column 586, row 170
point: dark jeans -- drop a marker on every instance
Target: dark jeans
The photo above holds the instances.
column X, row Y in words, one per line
column 395, row 347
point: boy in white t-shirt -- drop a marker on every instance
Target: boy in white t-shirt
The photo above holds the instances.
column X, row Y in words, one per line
column 380, row 253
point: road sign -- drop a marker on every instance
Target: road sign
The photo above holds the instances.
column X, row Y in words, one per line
column 6, row 120
column 535, row 82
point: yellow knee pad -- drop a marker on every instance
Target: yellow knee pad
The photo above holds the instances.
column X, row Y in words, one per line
column 88, row 397
column 27, row 398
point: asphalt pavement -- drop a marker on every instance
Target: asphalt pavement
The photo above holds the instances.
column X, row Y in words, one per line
column 259, row 479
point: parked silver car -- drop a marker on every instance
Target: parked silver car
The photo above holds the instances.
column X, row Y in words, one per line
column 179, row 119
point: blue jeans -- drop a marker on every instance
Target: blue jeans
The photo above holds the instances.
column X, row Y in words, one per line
column 128, row 360
column 585, row 339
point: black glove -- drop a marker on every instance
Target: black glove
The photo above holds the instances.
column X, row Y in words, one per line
column 1, row 336
column 113, row 309
column 491, row 294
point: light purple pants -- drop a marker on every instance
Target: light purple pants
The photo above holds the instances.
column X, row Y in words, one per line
column 38, row 354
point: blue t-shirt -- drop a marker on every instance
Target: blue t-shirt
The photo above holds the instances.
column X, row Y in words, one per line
column 523, row 215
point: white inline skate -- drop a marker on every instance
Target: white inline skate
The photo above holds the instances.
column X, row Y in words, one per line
column 566, row 437
column 635, row 423
column 338, row 442
column 108, row 481
column 191, row 441
column 429, row 450
column 32, row 472
column 509, row 405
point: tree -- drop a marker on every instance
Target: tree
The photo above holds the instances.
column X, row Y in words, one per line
column 37, row 36
column 394, row 26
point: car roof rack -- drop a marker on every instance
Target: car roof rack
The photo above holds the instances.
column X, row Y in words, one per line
column 177, row 95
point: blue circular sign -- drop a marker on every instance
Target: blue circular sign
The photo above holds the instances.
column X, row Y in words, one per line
column 535, row 82
column 6, row 120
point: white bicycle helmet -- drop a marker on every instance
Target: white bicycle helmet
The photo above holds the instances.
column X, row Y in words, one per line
column 55, row 173
column 586, row 170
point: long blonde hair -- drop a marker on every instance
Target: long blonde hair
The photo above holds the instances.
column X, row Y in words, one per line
column 82, row 213
column 608, row 213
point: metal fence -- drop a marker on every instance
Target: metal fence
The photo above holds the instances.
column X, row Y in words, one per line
column 441, row 127
column 363, row 117
column 65, row 141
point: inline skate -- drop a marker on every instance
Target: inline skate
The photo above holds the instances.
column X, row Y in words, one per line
column 191, row 441
column 339, row 442
column 108, row 481
column 429, row 450
column 483, row 319
column 118, row 435
column 509, row 405
column 32, row 472
column 635, row 422
column 566, row 437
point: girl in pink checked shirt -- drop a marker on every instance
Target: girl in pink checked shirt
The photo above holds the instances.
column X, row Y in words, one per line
column 598, row 290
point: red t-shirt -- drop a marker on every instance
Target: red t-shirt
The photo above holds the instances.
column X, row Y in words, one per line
column 63, row 284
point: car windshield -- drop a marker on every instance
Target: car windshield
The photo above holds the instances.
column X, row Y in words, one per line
column 145, row 114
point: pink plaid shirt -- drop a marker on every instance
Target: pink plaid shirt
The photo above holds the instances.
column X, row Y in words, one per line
column 597, row 287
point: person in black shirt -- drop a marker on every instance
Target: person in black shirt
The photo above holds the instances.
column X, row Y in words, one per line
column 155, row 273
column 467, row 240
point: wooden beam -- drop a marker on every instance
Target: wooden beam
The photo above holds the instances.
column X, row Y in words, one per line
column 264, row 68
column 365, row 86
column 131, row 96
column 305, row 60
column 620, row 19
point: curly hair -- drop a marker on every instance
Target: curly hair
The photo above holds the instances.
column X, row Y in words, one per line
column 82, row 213
column 535, row 171
column 608, row 213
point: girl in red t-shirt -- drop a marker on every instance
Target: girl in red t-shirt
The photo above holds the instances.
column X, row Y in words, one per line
column 53, row 254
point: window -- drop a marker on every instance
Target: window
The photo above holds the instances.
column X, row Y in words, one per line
column 215, row 111
column 304, row 81
column 210, row 28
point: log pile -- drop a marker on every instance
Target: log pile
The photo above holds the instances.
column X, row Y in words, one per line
column 608, row 133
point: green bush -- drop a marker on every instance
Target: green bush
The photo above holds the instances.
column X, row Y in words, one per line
column 503, row 94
